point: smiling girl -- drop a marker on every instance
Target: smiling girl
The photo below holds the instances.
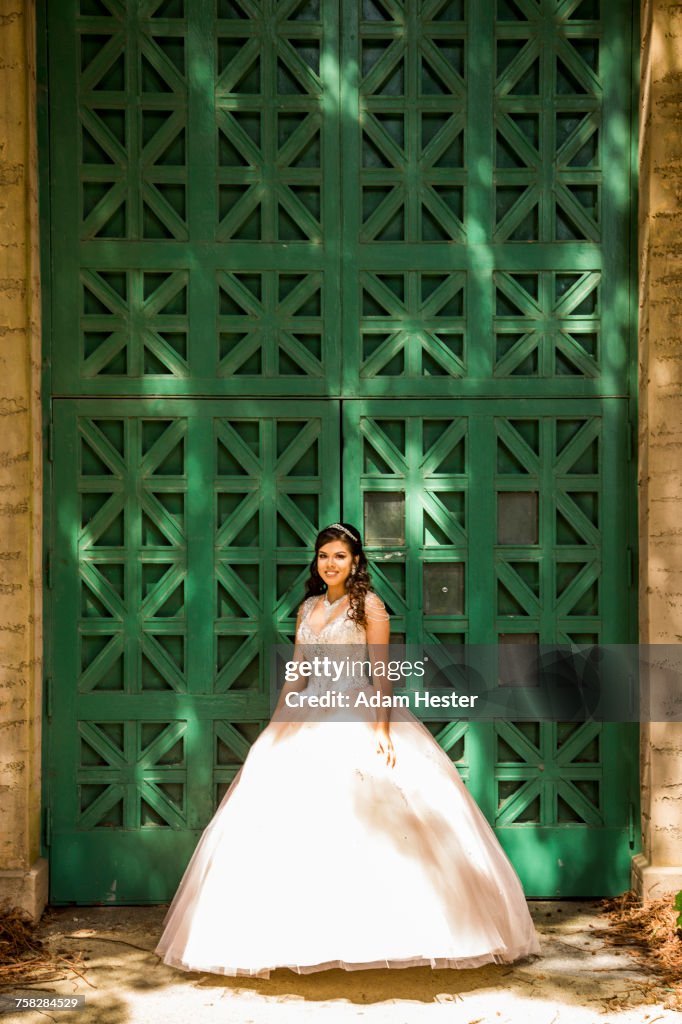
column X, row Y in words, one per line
column 323, row 854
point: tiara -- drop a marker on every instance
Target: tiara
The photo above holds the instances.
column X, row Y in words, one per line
column 340, row 526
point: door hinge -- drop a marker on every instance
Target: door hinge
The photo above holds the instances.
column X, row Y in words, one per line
column 630, row 567
column 48, row 826
column 48, row 570
column 631, row 826
column 48, row 697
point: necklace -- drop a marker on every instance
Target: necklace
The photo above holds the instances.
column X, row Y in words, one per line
column 329, row 605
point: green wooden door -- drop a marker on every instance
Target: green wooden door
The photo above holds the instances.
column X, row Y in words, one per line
column 182, row 533
column 488, row 307
column 280, row 231
column 494, row 522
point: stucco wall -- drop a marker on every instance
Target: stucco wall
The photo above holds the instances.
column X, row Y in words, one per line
column 23, row 877
column 659, row 868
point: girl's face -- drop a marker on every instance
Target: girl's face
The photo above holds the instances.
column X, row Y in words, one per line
column 334, row 562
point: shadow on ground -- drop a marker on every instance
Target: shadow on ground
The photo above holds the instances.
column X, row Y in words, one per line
column 579, row 977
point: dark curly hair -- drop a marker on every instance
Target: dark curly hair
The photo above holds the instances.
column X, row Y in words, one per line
column 358, row 583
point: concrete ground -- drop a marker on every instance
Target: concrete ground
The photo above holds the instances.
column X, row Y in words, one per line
column 578, row 979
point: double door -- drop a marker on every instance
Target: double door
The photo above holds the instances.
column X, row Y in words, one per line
column 183, row 536
column 312, row 259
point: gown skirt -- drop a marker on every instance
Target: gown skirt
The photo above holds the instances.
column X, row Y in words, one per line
column 321, row 855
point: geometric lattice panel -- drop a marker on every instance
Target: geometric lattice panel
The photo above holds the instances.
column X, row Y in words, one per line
column 549, row 773
column 550, row 518
column 134, row 323
column 182, row 536
column 268, row 498
column 440, row 206
column 412, row 104
column 421, row 458
column 476, row 147
column 263, row 214
column 547, row 324
column 196, row 181
column 271, row 323
column 548, row 121
column 434, row 488
column 413, row 324
column 500, row 524
column 131, row 775
column 136, row 601
column 133, row 157
column 132, row 553
column 269, row 96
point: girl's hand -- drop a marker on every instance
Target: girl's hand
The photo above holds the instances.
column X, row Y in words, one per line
column 384, row 745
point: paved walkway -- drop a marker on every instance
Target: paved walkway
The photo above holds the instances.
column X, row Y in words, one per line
column 579, row 979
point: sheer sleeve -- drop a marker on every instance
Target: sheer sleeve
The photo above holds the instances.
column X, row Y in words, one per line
column 299, row 617
column 375, row 609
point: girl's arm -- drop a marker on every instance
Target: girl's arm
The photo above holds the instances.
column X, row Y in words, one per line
column 378, row 631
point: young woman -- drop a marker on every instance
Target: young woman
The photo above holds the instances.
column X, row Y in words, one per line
column 345, row 841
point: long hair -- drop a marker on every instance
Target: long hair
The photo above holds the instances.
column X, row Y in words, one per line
column 358, row 583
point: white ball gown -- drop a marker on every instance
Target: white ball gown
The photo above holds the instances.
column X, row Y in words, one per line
column 321, row 855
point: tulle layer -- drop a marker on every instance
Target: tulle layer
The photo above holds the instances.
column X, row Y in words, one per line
column 322, row 856
column 437, row 963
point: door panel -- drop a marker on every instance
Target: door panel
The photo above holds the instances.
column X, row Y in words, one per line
column 487, row 248
column 551, row 562
column 182, row 536
column 195, row 187
column 457, row 562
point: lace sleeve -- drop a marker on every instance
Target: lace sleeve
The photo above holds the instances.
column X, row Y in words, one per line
column 302, row 609
column 375, row 609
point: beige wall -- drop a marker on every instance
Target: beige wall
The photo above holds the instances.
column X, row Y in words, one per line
column 659, row 868
column 23, row 877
